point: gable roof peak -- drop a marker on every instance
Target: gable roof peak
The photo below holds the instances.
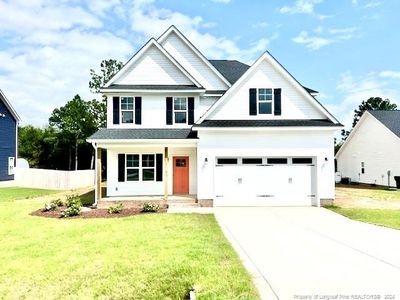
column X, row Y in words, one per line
column 151, row 42
column 7, row 103
column 174, row 29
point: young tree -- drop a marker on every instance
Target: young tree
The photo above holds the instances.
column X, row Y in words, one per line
column 74, row 122
column 108, row 68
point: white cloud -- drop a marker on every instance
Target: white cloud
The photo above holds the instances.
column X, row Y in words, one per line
column 312, row 42
column 354, row 2
column 151, row 21
column 390, row 74
column 372, row 4
column 319, row 41
column 353, row 90
column 300, row 7
column 48, row 48
column 343, row 30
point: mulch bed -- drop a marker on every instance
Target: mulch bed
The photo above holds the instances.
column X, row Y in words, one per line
column 93, row 213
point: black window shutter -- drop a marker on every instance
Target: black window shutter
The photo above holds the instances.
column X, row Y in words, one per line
column 115, row 110
column 253, row 102
column 191, row 110
column 121, row 167
column 138, row 110
column 169, row 111
column 159, row 167
column 277, row 102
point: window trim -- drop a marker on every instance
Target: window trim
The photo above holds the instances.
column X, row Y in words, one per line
column 127, row 110
column 362, row 167
column 265, row 101
column 140, row 168
column 186, row 111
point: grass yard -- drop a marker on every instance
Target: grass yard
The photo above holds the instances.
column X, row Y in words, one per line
column 150, row 256
column 364, row 191
column 16, row 193
column 384, row 217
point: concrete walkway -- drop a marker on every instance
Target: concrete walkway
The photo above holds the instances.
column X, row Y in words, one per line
column 301, row 252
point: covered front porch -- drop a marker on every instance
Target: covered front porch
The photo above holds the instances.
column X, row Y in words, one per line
column 139, row 171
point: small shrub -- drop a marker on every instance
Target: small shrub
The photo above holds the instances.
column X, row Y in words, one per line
column 150, row 207
column 50, row 206
column 57, row 202
column 116, row 209
column 74, row 206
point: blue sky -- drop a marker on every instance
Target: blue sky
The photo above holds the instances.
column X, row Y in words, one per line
column 346, row 49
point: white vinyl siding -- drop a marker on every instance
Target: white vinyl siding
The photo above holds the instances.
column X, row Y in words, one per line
column 294, row 104
column 192, row 63
column 362, row 151
column 154, row 68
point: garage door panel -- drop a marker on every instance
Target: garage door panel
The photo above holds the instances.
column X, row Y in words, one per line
column 267, row 185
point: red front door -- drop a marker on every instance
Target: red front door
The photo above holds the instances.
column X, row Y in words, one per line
column 181, row 175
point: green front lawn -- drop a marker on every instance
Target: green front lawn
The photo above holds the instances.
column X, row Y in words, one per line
column 16, row 193
column 384, row 217
column 364, row 191
column 151, row 256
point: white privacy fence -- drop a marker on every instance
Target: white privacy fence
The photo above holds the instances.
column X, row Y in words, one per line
column 54, row 179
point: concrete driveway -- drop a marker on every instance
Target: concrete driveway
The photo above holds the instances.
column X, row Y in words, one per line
column 303, row 252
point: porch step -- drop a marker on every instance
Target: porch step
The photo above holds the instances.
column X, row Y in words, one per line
column 183, row 204
column 178, row 201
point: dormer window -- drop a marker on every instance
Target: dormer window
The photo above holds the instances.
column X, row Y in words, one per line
column 127, row 110
column 265, row 101
column 180, row 110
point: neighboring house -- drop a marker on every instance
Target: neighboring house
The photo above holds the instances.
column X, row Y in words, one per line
column 371, row 153
column 219, row 130
column 9, row 120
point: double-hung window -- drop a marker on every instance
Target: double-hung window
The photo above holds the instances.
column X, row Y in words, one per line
column 148, row 166
column 140, row 167
column 265, row 101
column 132, row 167
column 180, row 110
column 127, row 110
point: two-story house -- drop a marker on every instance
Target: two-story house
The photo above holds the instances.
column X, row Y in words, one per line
column 219, row 130
column 9, row 120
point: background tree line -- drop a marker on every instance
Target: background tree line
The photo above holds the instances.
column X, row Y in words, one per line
column 62, row 143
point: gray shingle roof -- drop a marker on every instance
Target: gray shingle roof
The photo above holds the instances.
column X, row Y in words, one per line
column 232, row 70
column 266, row 123
column 389, row 118
column 152, row 87
column 140, row 134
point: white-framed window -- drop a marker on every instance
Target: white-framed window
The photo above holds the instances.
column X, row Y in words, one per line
column 127, row 110
column 11, row 164
column 362, row 167
column 180, row 110
column 265, row 99
column 148, row 167
column 132, row 167
column 140, row 167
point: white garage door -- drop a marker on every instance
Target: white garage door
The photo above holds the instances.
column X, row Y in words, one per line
column 264, row 181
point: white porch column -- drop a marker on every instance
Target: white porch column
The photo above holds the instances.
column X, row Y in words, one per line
column 166, row 160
